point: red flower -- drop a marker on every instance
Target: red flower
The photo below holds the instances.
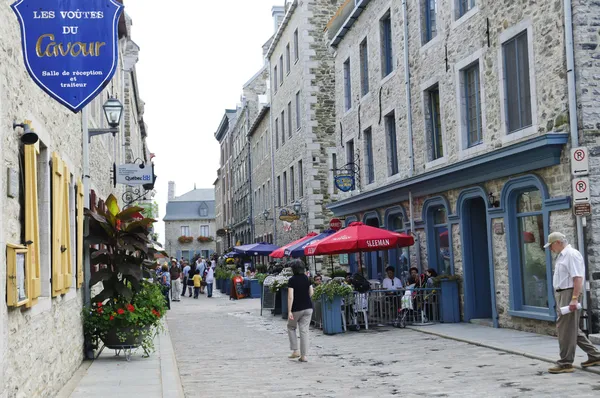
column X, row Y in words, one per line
column 99, row 305
column 156, row 313
column 130, row 308
column 120, row 311
column 111, row 317
column 100, row 310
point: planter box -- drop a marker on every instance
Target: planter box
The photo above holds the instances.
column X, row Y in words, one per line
column 277, row 310
column 227, row 286
column 222, row 288
column 332, row 315
column 284, row 303
column 219, row 284
column 255, row 289
column 449, row 302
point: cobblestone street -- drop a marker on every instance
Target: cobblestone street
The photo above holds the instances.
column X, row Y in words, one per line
column 225, row 348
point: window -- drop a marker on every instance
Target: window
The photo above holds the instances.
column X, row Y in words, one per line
column 350, row 151
column 287, row 60
column 398, row 258
column 439, row 235
column 472, row 105
column 532, row 254
column 275, row 85
column 429, row 20
column 268, row 199
column 204, row 212
column 292, row 184
column 204, row 230
column 282, row 127
column 364, row 67
column 369, row 171
column 392, row 149
column 279, row 191
column 285, row 190
column 347, row 85
column 185, row 230
column 334, row 166
column 298, row 118
column 465, row 6
column 300, row 179
column 517, row 84
column 281, row 69
column 387, row 64
column 289, row 115
column 435, row 123
column 296, row 49
column 277, row 133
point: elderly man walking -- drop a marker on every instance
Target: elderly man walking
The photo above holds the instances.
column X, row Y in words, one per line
column 568, row 283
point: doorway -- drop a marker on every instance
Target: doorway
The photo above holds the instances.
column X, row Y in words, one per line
column 477, row 285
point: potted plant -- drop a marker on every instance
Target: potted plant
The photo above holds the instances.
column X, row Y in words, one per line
column 126, row 313
column 205, row 239
column 185, row 239
column 449, row 298
column 331, row 295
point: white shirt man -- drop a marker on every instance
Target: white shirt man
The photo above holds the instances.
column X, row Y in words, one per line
column 391, row 282
column 569, row 265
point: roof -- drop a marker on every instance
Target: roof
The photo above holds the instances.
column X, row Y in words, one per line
column 350, row 20
column 196, row 195
column 259, row 118
column 180, row 211
column 282, row 27
column 225, row 122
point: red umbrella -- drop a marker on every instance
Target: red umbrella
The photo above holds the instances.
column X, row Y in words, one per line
column 280, row 253
column 358, row 237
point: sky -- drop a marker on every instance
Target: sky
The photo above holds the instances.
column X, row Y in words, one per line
column 195, row 56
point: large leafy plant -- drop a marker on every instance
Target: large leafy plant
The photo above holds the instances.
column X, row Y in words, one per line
column 124, row 252
column 333, row 289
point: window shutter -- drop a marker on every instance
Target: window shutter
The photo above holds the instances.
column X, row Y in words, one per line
column 32, row 232
column 67, row 260
column 61, row 233
column 80, row 220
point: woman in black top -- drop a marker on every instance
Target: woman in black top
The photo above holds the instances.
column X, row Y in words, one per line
column 300, row 309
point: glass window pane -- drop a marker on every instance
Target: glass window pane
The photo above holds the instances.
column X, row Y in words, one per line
column 442, row 250
column 533, row 261
column 530, row 201
column 439, row 216
column 512, row 86
column 396, row 223
column 524, row 87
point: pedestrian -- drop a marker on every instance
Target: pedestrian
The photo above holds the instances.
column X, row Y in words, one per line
column 164, row 278
column 300, row 309
column 569, row 271
column 197, row 283
column 175, row 282
column 186, row 273
column 210, row 279
column 190, row 276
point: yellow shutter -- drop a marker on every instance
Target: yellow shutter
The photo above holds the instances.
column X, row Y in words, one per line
column 32, row 232
column 67, row 260
column 80, row 205
column 58, row 247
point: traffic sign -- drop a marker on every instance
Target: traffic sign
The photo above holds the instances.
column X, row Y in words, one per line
column 581, row 190
column 335, row 224
column 582, row 209
column 580, row 165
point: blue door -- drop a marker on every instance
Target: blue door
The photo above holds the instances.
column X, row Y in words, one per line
column 478, row 291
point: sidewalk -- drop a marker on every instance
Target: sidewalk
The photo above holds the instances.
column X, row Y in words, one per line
column 111, row 376
column 531, row 345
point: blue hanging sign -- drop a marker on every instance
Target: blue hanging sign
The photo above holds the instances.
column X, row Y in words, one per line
column 344, row 183
column 71, row 47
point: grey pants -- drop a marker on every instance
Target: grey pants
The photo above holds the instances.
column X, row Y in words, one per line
column 569, row 334
column 301, row 321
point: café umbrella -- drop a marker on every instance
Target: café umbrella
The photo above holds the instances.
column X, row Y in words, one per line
column 297, row 250
column 280, row 253
column 255, row 249
column 358, row 238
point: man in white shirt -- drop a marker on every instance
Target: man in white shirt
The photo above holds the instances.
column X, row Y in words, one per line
column 569, row 271
column 391, row 282
column 186, row 274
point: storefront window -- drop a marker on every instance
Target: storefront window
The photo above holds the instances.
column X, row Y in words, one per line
column 398, row 258
column 439, row 240
column 531, row 246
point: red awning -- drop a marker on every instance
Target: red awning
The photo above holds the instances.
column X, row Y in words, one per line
column 280, row 253
column 358, row 237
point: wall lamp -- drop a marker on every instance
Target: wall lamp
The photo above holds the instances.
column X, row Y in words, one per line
column 298, row 208
column 265, row 215
column 28, row 137
column 113, row 112
column 492, row 200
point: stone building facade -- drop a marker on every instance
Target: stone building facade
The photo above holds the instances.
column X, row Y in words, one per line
column 224, row 201
column 301, row 76
column 472, row 161
column 191, row 215
column 41, row 342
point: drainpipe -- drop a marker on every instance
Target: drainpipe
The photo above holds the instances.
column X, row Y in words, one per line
column 411, row 154
column 86, row 202
column 575, row 136
column 272, row 153
column 412, row 230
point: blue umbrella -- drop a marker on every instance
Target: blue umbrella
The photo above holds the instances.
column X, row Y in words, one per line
column 297, row 250
column 256, row 249
column 232, row 254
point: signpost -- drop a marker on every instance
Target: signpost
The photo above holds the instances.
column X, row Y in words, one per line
column 580, row 168
column 580, row 165
column 70, row 47
column 335, row 224
column 581, row 190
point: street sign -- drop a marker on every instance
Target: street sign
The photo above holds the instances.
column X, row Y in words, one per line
column 582, row 209
column 134, row 174
column 335, row 224
column 344, row 183
column 581, row 190
column 580, row 165
column 285, row 215
column 70, row 47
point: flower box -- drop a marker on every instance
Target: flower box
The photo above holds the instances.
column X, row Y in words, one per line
column 332, row 315
column 227, row 286
column 205, row 239
column 218, row 284
column 284, row 303
column 185, row 239
column 255, row 289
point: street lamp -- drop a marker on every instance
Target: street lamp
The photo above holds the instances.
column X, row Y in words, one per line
column 265, row 214
column 113, row 112
column 297, row 209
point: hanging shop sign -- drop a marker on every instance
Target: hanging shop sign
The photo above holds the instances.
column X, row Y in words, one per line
column 285, row 215
column 70, row 47
column 344, row 183
column 133, row 174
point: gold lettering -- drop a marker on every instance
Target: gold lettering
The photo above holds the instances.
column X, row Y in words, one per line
column 98, row 45
column 38, row 45
column 76, row 49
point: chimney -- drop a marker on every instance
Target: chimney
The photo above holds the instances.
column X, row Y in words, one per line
column 278, row 13
column 171, row 190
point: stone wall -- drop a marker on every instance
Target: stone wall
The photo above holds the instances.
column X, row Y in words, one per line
column 173, row 231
